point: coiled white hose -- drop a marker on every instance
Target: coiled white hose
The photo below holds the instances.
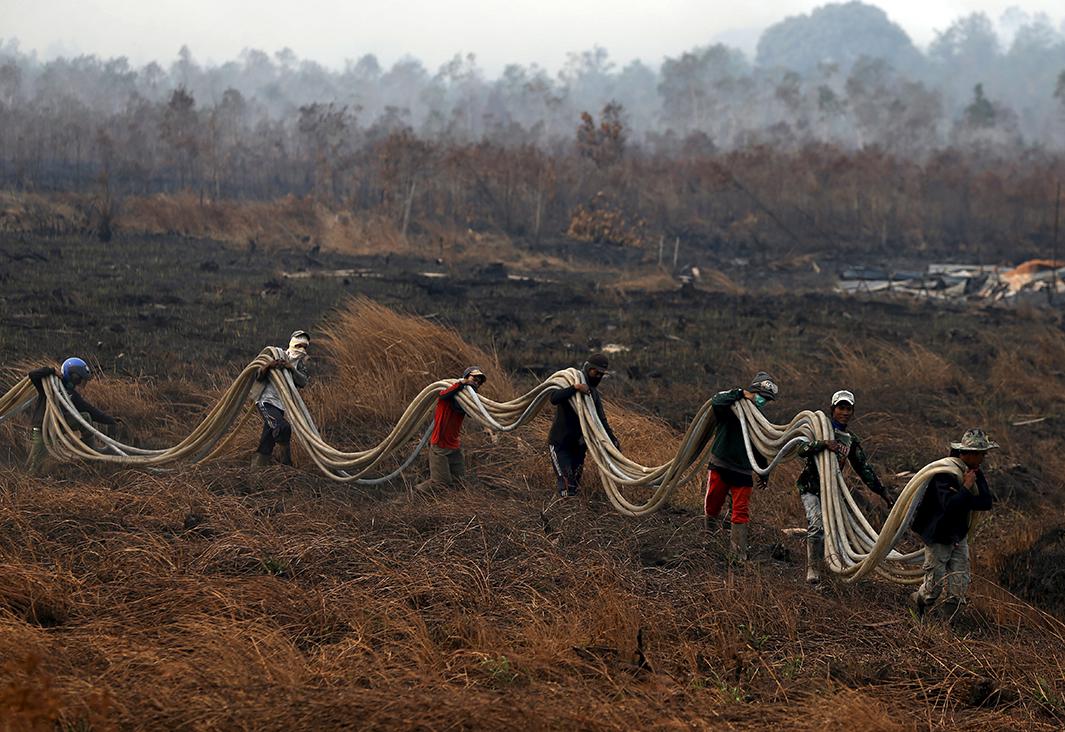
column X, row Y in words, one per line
column 853, row 548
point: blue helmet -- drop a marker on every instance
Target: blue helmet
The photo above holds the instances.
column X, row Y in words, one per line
column 76, row 367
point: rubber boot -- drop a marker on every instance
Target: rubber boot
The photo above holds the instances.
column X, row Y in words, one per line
column 38, row 453
column 815, row 552
column 739, row 541
column 260, row 460
column 286, row 454
column 920, row 605
column 952, row 609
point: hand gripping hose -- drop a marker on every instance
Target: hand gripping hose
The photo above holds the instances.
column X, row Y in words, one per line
column 853, row 548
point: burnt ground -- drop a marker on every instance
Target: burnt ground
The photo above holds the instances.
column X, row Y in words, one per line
column 171, row 311
column 170, row 307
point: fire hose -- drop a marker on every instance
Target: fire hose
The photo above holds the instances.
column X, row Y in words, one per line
column 853, row 547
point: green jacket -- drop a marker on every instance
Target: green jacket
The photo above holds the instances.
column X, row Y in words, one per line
column 728, row 452
column 809, row 481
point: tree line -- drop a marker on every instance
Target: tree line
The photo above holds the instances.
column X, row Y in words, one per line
column 816, row 143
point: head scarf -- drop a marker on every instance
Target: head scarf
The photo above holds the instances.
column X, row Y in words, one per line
column 297, row 345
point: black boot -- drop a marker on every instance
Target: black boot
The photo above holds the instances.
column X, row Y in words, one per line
column 920, row 605
column 815, row 553
column 738, row 542
column 951, row 609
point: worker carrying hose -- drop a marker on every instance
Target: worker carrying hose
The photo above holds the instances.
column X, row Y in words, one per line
column 565, row 441
column 75, row 372
column 276, row 429
column 848, row 448
column 943, row 519
column 731, row 473
column 446, row 464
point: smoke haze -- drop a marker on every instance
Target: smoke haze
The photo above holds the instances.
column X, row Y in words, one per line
column 836, row 126
column 331, row 32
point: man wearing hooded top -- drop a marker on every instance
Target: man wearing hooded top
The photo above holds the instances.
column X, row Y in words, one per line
column 75, row 372
column 848, row 448
column 446, row 464
column 566, row 443
column 943, row 519
column 276, row 429
column 731, row 473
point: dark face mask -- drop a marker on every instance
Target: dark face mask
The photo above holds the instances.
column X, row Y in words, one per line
column 593, row 380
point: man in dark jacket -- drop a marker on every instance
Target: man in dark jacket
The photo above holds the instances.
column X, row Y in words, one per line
column 446, row 464
column 731, row 473
column 848, row 448
column 276, row 429
column 75, row 372
column 943, row 519
column 565, row 441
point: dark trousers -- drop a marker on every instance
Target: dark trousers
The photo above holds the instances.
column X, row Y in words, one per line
column 568, row 463
column 446, row 465
column 276, row 429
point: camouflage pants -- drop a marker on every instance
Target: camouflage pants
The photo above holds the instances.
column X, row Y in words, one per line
column 38, row 452
column 946, row 567
column 815, row 523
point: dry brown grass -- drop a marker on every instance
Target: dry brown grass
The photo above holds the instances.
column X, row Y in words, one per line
column 291, row 222
column 217, row 597
column 226, row 599
column 380, row 360
column 287, row 222
column 53, row 214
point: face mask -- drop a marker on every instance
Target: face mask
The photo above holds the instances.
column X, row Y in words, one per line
column 593, row 380
column 760, row 401
column 297, row 342
column 297, row 348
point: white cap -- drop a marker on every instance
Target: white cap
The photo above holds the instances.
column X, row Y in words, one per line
column 842, row 396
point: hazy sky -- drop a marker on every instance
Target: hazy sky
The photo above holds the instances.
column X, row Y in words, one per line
column 497, row 31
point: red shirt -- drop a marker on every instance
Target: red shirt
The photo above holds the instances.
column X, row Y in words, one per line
column 447, row 420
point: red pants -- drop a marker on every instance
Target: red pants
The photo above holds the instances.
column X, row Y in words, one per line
column 717, row 489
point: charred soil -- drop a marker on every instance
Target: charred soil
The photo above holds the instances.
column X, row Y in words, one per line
column 219, row 597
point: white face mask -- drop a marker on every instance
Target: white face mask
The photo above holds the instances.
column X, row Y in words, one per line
column 297, row 348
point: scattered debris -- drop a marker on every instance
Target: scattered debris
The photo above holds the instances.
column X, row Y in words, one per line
column 690, row 274
column 1027, row 282
column 1033, row 271
column 308, row 274
column 1022, row 423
